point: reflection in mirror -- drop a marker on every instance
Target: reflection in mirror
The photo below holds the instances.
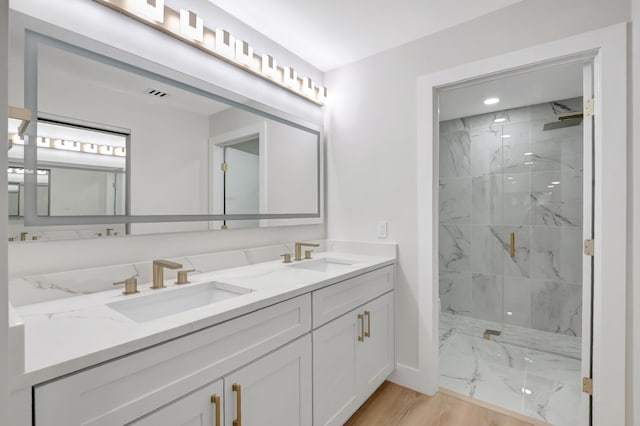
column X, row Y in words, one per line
column 149, row 152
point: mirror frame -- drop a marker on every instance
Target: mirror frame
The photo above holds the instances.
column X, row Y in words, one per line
column 32, row 41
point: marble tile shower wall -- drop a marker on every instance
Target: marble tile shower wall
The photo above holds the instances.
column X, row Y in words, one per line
column 498, row 178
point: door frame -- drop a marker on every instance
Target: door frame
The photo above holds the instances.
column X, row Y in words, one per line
column 608, row 46
column 217, row 144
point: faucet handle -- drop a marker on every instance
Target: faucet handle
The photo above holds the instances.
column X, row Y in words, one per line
column 307, row 254
column 287, row 258
column 130, row 285
column 183, row 276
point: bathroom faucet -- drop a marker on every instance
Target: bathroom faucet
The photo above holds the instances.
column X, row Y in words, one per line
column 158, row 271
column 298, row 250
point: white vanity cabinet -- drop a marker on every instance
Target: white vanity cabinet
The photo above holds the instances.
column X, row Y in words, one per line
column 274, row 390
column 354, row 353
column 128, row 389
column 200, row 408
column 310, row 360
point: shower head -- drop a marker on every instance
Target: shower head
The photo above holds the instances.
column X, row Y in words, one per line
column 564, row 121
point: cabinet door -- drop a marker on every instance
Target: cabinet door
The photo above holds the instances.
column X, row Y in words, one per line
column 200, row 408
column 274, row 390
column 334, row 370
column 375, row 358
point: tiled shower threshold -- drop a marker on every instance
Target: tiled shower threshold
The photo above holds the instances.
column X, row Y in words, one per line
column 543, row 383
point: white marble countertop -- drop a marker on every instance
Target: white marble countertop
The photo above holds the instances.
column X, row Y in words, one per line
column 66, row 335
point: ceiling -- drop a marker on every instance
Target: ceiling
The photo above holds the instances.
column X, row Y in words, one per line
column 517, row 90
column 331, row 33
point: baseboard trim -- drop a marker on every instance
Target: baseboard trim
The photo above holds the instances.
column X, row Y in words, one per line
column 412, row 378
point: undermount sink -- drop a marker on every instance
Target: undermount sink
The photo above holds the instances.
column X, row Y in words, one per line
column 165, row 303
column 324, row 264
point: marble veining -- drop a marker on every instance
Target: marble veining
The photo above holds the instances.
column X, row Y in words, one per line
column 455, row 149
column 541, row 385
column 523, row 180
column 72, row 333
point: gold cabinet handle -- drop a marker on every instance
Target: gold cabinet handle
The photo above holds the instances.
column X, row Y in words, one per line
column 238, row 390
column 368, row 332
column 361, row 335
column 513, row 244
column 215, row 400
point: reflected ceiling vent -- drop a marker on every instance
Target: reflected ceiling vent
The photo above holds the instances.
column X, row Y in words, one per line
column 156, row 93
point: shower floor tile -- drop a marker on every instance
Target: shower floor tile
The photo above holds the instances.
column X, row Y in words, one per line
column 541, row 385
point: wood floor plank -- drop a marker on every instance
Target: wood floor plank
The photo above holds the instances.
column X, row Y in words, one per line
column 394, row 405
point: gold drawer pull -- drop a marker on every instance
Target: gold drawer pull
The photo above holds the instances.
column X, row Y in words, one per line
column 513, row 244
column 238, row 390
column 361, row 335
column 368, row 332
column 215, row 400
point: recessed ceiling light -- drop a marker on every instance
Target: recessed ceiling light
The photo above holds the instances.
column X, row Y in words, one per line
column 510, row 177
column 506, row 136
column 528, row 153
column 551, row 186
column 556, row 182
column 491, row 101
column 526, row 391
column 499, row 120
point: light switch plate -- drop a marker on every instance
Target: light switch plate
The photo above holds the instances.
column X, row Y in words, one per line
column 382, row 229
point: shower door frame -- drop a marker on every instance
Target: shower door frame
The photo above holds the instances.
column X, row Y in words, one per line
column 607, row 47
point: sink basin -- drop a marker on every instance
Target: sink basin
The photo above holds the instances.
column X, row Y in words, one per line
column 164, row 303
column 324, row 264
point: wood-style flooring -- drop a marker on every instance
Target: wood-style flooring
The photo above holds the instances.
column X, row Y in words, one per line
column 393, row 405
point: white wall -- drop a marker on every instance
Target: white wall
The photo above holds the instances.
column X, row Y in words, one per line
column 98, row 28
column 371, row 147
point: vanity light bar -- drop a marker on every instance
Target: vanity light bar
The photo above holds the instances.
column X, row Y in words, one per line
column 20, row 171
column 188, row 27
column 67, row 145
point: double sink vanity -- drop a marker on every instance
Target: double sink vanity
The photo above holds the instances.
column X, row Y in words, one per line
column 232, row 338
column 267, row 343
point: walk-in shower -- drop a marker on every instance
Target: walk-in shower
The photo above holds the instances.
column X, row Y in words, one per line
column 510, row 258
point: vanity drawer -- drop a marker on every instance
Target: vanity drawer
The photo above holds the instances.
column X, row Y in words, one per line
column 125, row 389
column 335, row 300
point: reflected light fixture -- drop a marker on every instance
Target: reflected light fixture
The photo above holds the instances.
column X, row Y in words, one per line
column 499, row 120
column 491, row 101
column 557, row 182
column 506, row 136
column 191, row 25
column 151, row 9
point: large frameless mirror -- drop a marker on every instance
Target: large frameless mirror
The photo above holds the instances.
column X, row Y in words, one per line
column 118, row 147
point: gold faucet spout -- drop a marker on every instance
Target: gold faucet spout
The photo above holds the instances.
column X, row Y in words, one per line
column 298, row 249
column 158, row 271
